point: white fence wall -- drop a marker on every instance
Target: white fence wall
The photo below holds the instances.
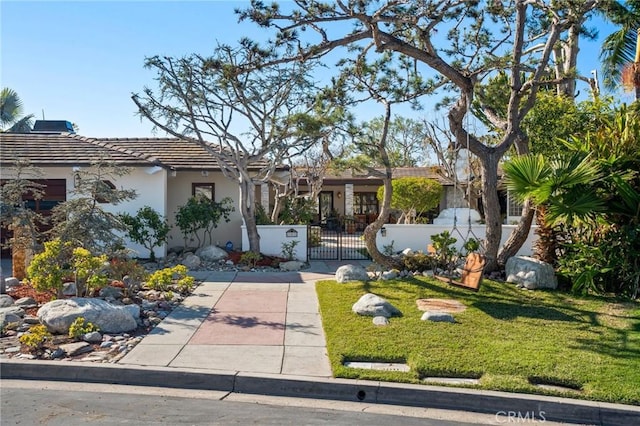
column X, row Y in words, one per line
column 272, row 237
column 417, row 237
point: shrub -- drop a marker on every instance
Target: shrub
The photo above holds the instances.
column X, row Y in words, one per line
column 418, row 262
column 289, row 249
column 36, row 337
column 48, row 269
column 201, row 213
column 119, row 268
column 163, row 279
column 89, row 271
column 79, row 327
column 147, row 228
column 445, row 251
column 250, row 258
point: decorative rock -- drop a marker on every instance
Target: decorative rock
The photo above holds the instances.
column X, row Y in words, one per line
column 30, row 319
column 380, row 320
column 77, row 348
column 436, row 316
column 5, row 300
column 389, row 275
column 211, row 253
column 92, row 337
column 11, row 282
column 26, row 302
column 191, row 261
column 58, row 315
column 292, row 265
column 69, row 289
column 7, row 318
column 428, row 273
column 374, row 305
column 530, row 273
column 16, row 310
column 347, row 273
column 134, row 310
column 111, row 292
column 58, row 353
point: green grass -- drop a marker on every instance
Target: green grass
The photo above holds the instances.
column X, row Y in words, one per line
column 508, row 338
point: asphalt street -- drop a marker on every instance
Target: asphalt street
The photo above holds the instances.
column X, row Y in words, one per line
column 71, row 404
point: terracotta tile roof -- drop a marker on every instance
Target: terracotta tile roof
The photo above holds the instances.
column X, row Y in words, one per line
column 46, row 149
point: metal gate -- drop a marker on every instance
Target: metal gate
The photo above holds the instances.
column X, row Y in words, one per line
column 344, row 242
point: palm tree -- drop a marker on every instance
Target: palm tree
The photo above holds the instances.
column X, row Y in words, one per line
column 562, row 191
column 11, row 112
column 620, row 52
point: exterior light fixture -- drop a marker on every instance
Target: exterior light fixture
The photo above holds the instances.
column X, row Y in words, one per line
column 292, row 233
column 339, row 195
column 76, row 180
column 383, row 231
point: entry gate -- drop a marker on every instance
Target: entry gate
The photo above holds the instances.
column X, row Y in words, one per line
column 336, row 243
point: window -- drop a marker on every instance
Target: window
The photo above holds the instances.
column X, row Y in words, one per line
column 105, row 187
column 203, row 190
column 365, row 203
column 514, row 207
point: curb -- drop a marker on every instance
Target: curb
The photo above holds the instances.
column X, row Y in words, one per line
column 520, row 408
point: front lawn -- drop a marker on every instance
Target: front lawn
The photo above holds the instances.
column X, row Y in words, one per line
column 507, row 337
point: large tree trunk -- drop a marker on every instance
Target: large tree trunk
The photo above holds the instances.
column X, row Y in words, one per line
column 518, row 235
column 491, row 204
column 372, row 229
column 247, row 208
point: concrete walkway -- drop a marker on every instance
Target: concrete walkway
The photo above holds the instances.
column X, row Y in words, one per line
column 246, row 322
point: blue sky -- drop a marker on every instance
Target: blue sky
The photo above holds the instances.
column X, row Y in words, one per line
column 81, row 60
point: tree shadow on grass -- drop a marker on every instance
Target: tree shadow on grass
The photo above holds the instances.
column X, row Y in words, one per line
column 509, row 311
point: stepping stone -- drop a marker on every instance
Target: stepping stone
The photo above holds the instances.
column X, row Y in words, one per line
column 441, row 305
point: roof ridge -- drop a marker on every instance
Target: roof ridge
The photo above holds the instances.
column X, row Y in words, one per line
column 106, row 143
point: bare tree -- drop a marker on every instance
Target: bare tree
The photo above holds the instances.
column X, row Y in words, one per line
column 250, row 122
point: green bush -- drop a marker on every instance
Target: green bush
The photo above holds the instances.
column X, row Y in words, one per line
column 35, row 338
column 147, row 228
column 89, row 271
column 418, row 262
column 48, row 269
column 79, row 327
column 289, row 249
column 250, row 258
column 164, row 279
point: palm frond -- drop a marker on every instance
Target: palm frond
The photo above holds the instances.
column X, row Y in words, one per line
column 527, row 177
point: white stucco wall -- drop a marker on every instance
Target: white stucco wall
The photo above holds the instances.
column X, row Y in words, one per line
column 417, row 237
column 150, row 190
column 272, row 237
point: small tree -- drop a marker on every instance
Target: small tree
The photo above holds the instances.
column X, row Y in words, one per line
column 17, row 217
column 82, row 220
column 201, row 213
column 147, row 228
column 413, row 196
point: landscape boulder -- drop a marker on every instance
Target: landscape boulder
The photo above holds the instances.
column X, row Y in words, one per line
column 292, row 265
column 373, row 305
column 437, row 316
column 211, row 253
column 347, row 273
column 5, row 300
column 58, row 315
column 530, row 273
column 191, row 261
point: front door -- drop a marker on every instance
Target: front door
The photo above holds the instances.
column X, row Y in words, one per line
column 325, row 204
